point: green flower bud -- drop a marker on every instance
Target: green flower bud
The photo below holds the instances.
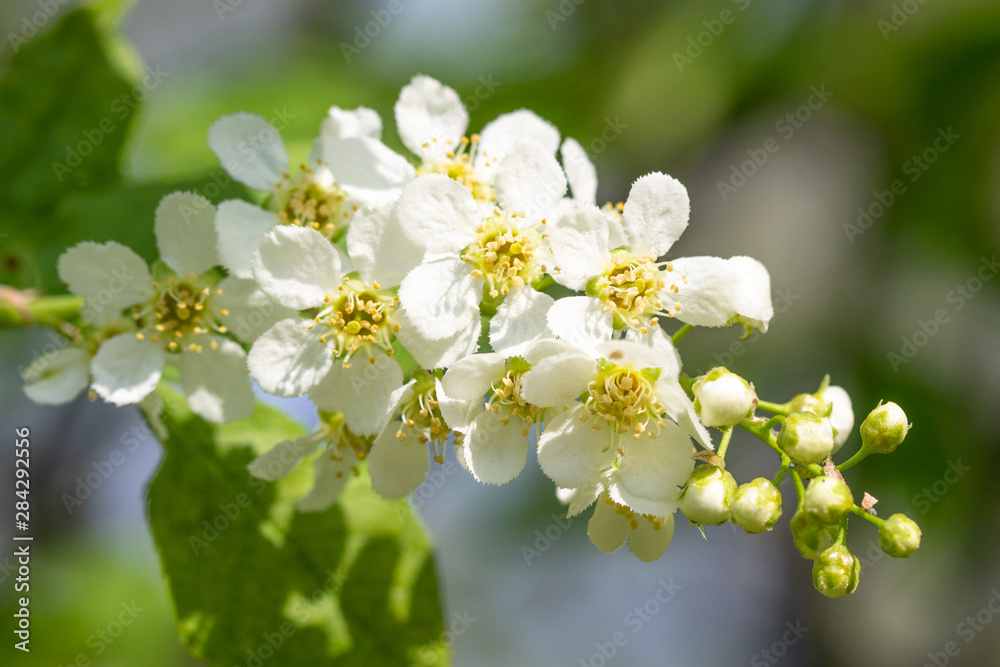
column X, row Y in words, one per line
column 809, row 403
column 757, row 506
column 899, row 536
column 884, row 428
column 722, row 398
column 708, row 497
column 806, row 438
column 810, row 536
column 827, row 500
column 836, row 572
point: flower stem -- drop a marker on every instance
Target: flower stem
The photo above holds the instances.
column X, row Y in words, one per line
column 858, row 457
column 780, row 477
column 775, row 408
column 16, row 311
column 861, row 512
column 800, row 489
column 683, row 331
column 727, row 435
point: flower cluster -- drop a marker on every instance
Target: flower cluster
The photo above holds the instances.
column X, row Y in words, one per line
column 411, row 299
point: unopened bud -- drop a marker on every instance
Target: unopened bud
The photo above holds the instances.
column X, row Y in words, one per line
column 836, row 572
column 884, row 428
column 810, row 536
column 827, row 500
column 757, row 506
column 708, row 497
column 809, row 403
column 899, row 536
column 722, row 398
column 806, row 438
column 841, row 414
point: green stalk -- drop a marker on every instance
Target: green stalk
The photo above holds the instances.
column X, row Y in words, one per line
column 50, row 310
column 683, row 331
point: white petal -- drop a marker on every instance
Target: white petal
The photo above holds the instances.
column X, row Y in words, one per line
column 185, row 233
column 216, row 381
column 397, row 467
column 680, row 408
column 656, row 213
column 441, row 352
column 332, row 472
column 297, row 266
column 396, row 399
column 360, row 391
column 519, row 321
column 580, row 171
column 57, row 376
column 440, row 297
column 558, row 379
column 656, row 467
column 547, row 347
column 572, row 453
column 722, row 292
column 342, row 123
column 636, row 355
column 582, row 497
column 367, row 169
column 607, row 528
column 284, row 457
column 430, row 116
column 579, row 241
column 470, row 378
column 127, row 369
column 249, row 310
column 109, row 277
column 529, row 180
column 250, row 149
column 241, row 227
column 581, row 321
column 289, row 360
column 648, row 543
column 380, row 250
column 501, row 133
column 638, row 504
column 495, row 452
column 457, row 412
column 438, row 214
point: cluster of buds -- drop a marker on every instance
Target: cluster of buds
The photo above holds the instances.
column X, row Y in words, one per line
column 806, row 432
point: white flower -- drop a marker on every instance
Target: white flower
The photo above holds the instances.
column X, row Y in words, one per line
column 348, row 316
column 338, row 460
column 632, row 286
column 496, row 434
column 350, row 166
column 584, row 324
column 432, row 122
column 618, row 425
column 178, row 318
column 468, row 253
column 418, row 413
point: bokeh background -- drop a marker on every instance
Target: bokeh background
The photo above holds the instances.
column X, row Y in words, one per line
column 850, row 97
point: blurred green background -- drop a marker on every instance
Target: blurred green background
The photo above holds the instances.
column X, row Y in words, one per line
column 852, row 146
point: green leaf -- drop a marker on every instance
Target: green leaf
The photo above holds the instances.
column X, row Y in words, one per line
column 65, row 109
column 251, row 576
